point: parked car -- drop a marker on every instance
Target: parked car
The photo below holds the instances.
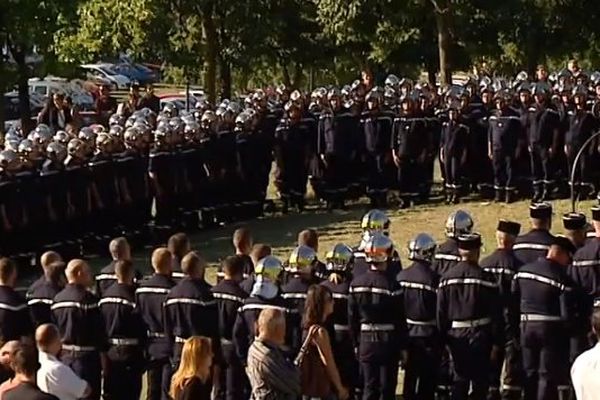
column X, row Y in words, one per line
column 135, row 74
column 107, row 71
column 177, row 100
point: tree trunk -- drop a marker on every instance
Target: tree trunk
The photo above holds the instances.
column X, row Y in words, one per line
column 298, row 76
column 3, row 74
column 286, row 74
column 431, row 70
column 225, row 79
column 441, row 21
column 23, row 88
column 210, row 38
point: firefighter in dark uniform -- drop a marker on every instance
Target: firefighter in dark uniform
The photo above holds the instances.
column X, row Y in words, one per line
column 119, row 251
column 535, row 243
column 9, row 200
column 543, row 124
column 300, row 274
column 453, row 152
column 161, row 169
column 504, row 134
column 230, row 297
column 582, row 125
column 14, row 315
column 376, row 130
column 265, row 294
column 377, row 322
column 190, row 309
column 335, row 146
column 339, row 266
column 503, row 265
column 446, row 255
column 576, row 227
column 542, row 290
column 225, row 157
column 291, row 157
column 250, row 196
column 469, row 319
column 126, row 333
column 411, row 143
column 41, row 293
column 585, row 274
column 81, row 327
column 418, row 285
column 150, row 296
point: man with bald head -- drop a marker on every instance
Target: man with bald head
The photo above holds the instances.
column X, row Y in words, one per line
column 40, row 295
column 119, row 250
column 150, row 296
column 81, row 328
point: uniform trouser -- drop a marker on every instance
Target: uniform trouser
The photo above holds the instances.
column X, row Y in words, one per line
column 411, row 177
column 377, row 176
column 542, row 169
column 510, row 359
column 86, row 365
column 234, row 384
column 420, row 377
column 159, row 379
column 471, row 355
column 452, row 172
column 166, row 209
column 123, row 381
column 543, row 345
column 335, row 182
column 379, row 379
column 291, row 181
column 503, row 171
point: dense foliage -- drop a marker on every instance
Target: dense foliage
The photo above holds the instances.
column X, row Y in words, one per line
column 235, row 44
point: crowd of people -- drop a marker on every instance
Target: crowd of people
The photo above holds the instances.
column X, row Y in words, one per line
column 64, row 184
column 506, row 326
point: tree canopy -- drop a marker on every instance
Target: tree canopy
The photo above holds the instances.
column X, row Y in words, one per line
column 235, row 44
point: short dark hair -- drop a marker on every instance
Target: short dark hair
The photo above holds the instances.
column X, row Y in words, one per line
column 123, row 269
column 178, row 244
column 25, row 360
column 191, row 263
column 7, row 268
column 596, row 321
column 233, row 265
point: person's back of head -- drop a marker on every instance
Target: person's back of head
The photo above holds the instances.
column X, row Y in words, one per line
column 596, row 322
column 193, row 265
column 49, row 258
column 179, row 245
column 47, row 339
column 124, row 272
column 196, row 362
column 242, row 240
column 233, row 268
column 318, row 306
column 162, row 261
column 271, row 326
column 8, row 272
column 310, row 238
column 55, row 273
column 78, row 273
column 259, row 251
column 25, row 362
column 119, row 249
column 7, row 353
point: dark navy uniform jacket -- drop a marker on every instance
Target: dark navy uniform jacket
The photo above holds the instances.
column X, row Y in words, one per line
column 468, row 302
column 502, row 264
column 191, row 310
column 584, row 273
column 581, row 126
column 245, row 323
column 446, row 256
column 76, row 313
column 14, row 316
column 418, row 288
column 230, row 297
column 339, row 319
column 377, row 133
column 410, row 137
column 294, row 291
column 376, row 317
column 107, row 277
column 455, row 138
column 149, row 299
column 125, row 327
column 543, row 290
column 336, row 133
column 504, row 132
column 361, row 266
column 544, row 126
column 40, row 298
column 532, row 245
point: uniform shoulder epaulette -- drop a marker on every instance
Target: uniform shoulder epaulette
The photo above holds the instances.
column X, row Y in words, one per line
column 532, row 109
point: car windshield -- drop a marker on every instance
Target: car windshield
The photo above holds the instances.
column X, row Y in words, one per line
column 107, row 70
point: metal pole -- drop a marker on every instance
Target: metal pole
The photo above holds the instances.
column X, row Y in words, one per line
column 187, row 95
column 574, row 167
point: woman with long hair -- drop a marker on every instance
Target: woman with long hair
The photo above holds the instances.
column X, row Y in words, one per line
column 317, row 351
column 192, row 380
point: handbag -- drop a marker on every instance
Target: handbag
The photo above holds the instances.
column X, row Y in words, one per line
column 313, row 373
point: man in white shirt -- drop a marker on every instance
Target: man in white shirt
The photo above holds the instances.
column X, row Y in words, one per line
column 54, row 377
column 585, row 372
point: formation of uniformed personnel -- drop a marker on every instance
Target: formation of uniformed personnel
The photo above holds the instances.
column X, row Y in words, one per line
column 535, row 243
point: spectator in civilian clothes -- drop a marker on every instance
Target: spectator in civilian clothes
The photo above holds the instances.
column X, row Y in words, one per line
column 7, row 356
column 272, row 375
column 586, row 368
column 54, row 377
column 192, row 380
column 26, row 365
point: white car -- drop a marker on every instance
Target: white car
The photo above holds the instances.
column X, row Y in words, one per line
column 106, row 71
